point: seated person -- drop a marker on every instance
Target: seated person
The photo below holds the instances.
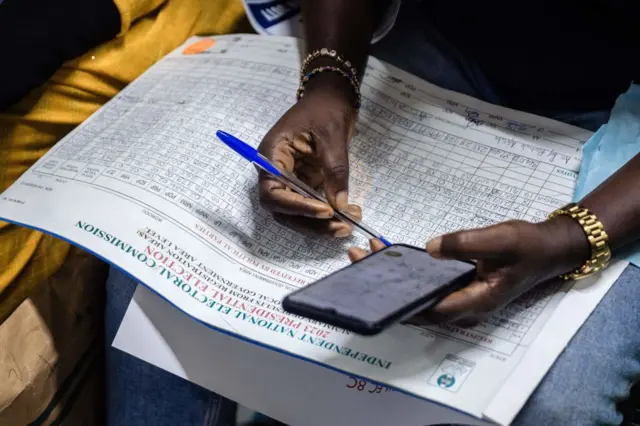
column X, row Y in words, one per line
column 61, row 62
column 140, row 393
column 561, row 59
column 494, row 52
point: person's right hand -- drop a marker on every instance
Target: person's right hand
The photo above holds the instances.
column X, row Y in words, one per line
column 511, row 259
column 310, row 141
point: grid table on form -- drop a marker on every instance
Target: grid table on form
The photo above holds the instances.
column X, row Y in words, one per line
column 416, row 171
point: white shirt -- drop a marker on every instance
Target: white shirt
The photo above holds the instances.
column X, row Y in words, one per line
column 282, row 17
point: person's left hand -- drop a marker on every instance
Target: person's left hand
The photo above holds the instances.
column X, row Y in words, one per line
column 511, row 258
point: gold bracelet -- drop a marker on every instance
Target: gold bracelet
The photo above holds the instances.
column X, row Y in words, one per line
column 600, row 253
column 330, row 54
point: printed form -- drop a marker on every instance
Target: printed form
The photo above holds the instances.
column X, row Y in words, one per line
column 145, row 184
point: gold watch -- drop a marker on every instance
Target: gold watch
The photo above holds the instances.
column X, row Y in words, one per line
column 600, row 253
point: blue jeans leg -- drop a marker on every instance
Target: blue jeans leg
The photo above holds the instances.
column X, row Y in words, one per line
column 597, row 368
column 139, row 393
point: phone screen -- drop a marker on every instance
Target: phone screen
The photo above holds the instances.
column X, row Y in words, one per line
column 381, row 285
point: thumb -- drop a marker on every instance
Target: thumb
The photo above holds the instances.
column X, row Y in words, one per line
column 335, row 169
column 493, row 242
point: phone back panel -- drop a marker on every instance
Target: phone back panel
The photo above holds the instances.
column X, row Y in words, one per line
column 379, row 286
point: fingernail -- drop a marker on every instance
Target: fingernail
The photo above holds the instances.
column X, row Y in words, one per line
column 376, row 244
column 342, row 200
column 342, row 233
column 324, row 214
column 434, row 246
column 355, row 211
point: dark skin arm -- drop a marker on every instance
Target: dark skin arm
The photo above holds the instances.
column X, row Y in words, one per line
column 346, row 26
column 616, row 202
column 513, row 257
column 311, row 139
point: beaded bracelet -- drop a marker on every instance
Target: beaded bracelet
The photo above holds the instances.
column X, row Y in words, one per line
column 305, row 79
column 333, row 55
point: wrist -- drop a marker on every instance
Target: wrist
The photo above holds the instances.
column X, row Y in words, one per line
column 568, row 245
column 330, row 83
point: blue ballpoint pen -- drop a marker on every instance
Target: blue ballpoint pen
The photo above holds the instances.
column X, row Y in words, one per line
column 253, row 156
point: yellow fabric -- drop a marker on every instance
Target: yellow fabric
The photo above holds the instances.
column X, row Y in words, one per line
column 150, row 29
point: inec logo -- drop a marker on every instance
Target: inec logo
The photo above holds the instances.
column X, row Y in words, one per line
column 446, row 380
column 451, row 373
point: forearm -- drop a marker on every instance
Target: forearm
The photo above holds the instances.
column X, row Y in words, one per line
column 616, row 202
column 346, row 26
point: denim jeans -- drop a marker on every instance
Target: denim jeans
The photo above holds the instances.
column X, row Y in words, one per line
column 139, row 393
column 593, row 373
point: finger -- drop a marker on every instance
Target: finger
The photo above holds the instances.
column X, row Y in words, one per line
column 309, row 173
column 474, row 300
column 498, row 241
column 333, row 227
column 280, row 153
column 376, row 245
column 355, row 212
column 335, row 169
column 285, row 151
column 471, row 321
column 357, row 253
column 422, row 320
column 276, row 197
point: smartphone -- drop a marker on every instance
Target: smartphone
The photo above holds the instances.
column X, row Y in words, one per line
column 380, row 290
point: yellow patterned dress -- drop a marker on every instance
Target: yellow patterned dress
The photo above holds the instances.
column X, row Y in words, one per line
column 51, row 294
column 150, row 29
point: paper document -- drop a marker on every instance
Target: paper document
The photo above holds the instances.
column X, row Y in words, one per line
column 290, row 390
column 145, row 184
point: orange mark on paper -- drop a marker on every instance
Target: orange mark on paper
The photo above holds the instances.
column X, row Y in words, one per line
column 199, row 46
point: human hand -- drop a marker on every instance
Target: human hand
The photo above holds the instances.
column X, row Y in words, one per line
column 310, row 141
column 511, row 258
